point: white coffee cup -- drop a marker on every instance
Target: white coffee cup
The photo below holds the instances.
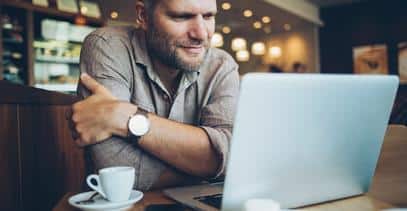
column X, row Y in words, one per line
column 113, row 183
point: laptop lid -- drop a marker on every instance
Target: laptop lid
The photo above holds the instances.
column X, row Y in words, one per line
column 301, row 139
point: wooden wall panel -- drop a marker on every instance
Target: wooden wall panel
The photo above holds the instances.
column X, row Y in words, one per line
column 9, row 160
column 1, row 49
column 52, row 163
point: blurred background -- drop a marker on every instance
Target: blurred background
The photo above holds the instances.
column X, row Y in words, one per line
column 41, row 39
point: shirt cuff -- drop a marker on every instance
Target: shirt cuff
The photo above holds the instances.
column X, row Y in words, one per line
column 219, row 139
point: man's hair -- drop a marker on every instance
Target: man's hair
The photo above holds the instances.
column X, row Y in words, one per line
column 150, row 6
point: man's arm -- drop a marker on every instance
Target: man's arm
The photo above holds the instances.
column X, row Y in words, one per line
column 200, row 150
column 185, row 147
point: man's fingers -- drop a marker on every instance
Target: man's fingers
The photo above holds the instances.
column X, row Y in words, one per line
column 71, row 124
column 79, row 142
column 74, row 135
column 93, row 85
column 91, row 137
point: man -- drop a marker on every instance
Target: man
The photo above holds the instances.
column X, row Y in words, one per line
column 164, row 84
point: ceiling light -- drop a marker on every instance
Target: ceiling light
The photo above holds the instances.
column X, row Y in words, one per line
column 242, row 56
column 239, row 44
column 274, row 52
column 217, row 40
column 226, row 6
column 226, row 29
column 114, row 15
column 258, row 48
column 247, row 13
column 257, row 25
column 287, row 27
column 266, row 19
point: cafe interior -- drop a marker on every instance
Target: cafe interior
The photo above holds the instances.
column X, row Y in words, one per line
column 40, row 45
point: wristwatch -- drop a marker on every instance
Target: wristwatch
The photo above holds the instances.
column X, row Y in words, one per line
column 139, row 124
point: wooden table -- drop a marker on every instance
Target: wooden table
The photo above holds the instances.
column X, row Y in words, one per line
column 388, row 190
column 360, row 203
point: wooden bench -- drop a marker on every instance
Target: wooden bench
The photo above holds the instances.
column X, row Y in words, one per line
column 38, row 158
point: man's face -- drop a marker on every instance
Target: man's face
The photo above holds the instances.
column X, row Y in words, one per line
column 179, row 32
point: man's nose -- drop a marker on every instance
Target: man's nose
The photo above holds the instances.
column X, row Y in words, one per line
column 198, row 29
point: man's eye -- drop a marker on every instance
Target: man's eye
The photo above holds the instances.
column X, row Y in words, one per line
column 208, row 17
column 181, row 17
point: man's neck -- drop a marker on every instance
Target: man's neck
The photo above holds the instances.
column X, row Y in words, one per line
column 170, row 77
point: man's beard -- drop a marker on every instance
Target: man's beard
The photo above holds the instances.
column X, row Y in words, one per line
column 161, row 46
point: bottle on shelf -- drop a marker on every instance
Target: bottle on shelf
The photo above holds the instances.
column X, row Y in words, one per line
column 11, row 72
column 12, row 53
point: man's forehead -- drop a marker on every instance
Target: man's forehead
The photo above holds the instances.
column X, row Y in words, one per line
column 190, row 6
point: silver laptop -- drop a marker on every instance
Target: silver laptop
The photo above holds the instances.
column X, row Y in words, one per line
column 300, row 139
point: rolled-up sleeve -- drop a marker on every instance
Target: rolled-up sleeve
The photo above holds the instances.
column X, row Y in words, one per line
column 105, row 63
column 218, row 114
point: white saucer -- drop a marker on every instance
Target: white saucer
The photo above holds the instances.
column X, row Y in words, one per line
column 102, row 204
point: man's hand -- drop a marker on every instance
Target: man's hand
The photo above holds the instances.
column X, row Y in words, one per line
column 99, row 116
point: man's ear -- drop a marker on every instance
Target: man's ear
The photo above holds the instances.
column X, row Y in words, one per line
column 141, row 14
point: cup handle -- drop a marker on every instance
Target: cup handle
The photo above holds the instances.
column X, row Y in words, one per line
column 96, row 187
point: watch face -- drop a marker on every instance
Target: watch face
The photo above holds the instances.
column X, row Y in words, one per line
column 139, row 125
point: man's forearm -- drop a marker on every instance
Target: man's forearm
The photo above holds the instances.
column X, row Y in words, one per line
column 185, row 147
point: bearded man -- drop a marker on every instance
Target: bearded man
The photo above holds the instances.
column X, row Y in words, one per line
column 157, row 97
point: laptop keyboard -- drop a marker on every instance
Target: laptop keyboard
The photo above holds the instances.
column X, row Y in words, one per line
column 211, row 200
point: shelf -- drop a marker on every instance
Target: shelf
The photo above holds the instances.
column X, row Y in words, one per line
column 12, row 58
column 11, row 41
column 29, row 16
column 57, row 60
column 41, row 40
column 13, row 30
column 52, row 11
column 57, row 87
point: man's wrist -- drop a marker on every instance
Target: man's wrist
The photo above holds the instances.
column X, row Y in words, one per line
column 126, row 110
column 139, row 123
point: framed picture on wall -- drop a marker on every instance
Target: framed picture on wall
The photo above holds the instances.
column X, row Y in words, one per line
column 67, row 6
column 403, row 61
column 90, row 9
column 370, row 59
column 43, row 3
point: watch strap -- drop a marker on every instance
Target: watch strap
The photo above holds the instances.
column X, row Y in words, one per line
column 141, row 112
